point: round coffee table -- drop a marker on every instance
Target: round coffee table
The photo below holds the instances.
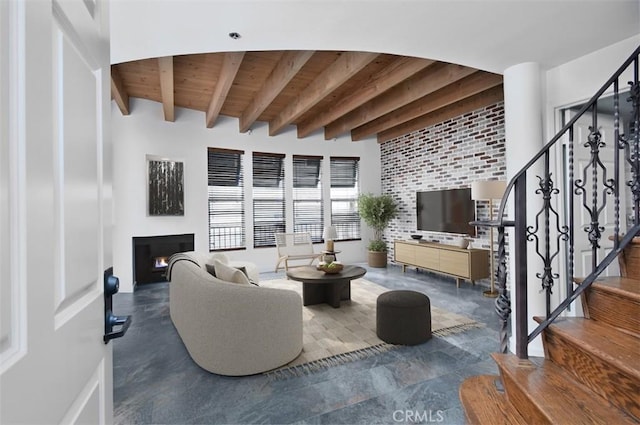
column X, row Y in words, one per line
column 320, row 287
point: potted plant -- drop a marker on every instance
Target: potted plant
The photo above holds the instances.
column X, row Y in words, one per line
column 377, row 211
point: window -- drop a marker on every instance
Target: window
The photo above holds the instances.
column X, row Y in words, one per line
column 268, row 198
column 307, row 196
column 226, row 199
column 344, row 197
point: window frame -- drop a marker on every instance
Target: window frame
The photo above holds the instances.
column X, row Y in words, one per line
column 337, row 183
column 234, row 176
column 274, row 196
column 304, row 193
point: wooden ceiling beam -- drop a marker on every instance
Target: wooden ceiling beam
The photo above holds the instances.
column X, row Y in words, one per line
column 428, row 81
column 118, row 92
column 165, row 65
column 345, row 67
column 398, row 71
column 480, row 100
column 284, row 71
column 230, row 65
column 461, row 89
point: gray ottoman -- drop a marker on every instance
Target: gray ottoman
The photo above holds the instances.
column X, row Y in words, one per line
column 403, row 317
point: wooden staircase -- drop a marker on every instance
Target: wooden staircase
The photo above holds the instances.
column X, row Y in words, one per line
column 591, row 370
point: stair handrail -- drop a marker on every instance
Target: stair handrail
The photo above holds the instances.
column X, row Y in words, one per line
column 523, row 233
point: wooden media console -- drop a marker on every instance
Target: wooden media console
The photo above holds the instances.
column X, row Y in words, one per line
column 462, row 263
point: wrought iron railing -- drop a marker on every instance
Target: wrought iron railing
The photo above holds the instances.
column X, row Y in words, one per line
column 550, row 234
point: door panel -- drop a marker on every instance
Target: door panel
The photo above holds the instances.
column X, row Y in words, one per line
column 13, row 337
column 77, row 207
column 54, row 365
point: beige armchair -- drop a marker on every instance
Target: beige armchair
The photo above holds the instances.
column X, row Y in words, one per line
column 294, row 247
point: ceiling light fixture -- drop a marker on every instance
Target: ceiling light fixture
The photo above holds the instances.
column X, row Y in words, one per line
column 234, row 35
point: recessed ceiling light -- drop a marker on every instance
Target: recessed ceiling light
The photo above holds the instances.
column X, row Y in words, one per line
column 234, row 35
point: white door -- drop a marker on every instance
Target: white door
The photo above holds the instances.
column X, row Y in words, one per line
column 582, row 248
column 55, row 211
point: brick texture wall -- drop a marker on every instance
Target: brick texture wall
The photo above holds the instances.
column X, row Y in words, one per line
column 448, row 155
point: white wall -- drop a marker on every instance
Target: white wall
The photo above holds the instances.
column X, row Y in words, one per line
column 577, row 81
column 145, row 132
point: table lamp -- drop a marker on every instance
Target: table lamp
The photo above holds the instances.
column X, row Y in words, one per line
column 483, row 191
column 329, row 235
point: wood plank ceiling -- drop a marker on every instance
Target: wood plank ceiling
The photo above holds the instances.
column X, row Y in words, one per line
column 364, row 94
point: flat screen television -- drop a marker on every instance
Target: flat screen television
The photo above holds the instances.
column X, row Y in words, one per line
column 448, row 211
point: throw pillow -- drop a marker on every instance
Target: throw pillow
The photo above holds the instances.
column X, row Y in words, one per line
column 229, row 274
column 243, row 269
column 211, row 269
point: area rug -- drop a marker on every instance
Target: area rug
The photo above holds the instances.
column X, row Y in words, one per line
column 334, row 336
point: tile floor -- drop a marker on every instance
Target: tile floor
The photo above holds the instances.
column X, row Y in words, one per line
column 156, row 382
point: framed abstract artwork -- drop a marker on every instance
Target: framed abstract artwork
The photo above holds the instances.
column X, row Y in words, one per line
column 165, row 186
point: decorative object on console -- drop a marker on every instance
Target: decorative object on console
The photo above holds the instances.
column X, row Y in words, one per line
column 463, row 243
column 482, row 191
column 416, row 237
column 377, row 211
column 165, row 186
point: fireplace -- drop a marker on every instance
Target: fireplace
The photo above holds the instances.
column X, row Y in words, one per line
column 151, row 255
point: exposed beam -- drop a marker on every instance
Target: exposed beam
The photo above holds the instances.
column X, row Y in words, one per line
column 287, row 68
column 230, row 65
column 469, row 86
column 431, row 79
column 479, row 100
column 118, row 92
column 345, row 67
column 165, row 64
column 398, row 71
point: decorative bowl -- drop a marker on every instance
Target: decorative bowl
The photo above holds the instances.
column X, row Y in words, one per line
column 463, row 243
column 333, row 269
column 416, row 237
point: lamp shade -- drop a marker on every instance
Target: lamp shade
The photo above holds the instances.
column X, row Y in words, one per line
column 329, row 233
column 488, row 189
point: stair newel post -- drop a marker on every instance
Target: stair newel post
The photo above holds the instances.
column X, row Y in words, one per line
column 520, row 249
column 503, row 302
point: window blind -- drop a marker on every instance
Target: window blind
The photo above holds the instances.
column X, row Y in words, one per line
column 226, row 199
column 268, row 198
column 308, row 213
column 344, row 196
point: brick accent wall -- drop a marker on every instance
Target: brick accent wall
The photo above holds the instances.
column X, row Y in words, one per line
column 448, row 155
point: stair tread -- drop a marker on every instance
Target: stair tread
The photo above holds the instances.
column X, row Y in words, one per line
column 617, row 347
column 623, row 286
column 557, row 395
column 484, row 404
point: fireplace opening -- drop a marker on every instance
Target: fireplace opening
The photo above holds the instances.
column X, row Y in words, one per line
column 160, row 263
column 151, row 255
